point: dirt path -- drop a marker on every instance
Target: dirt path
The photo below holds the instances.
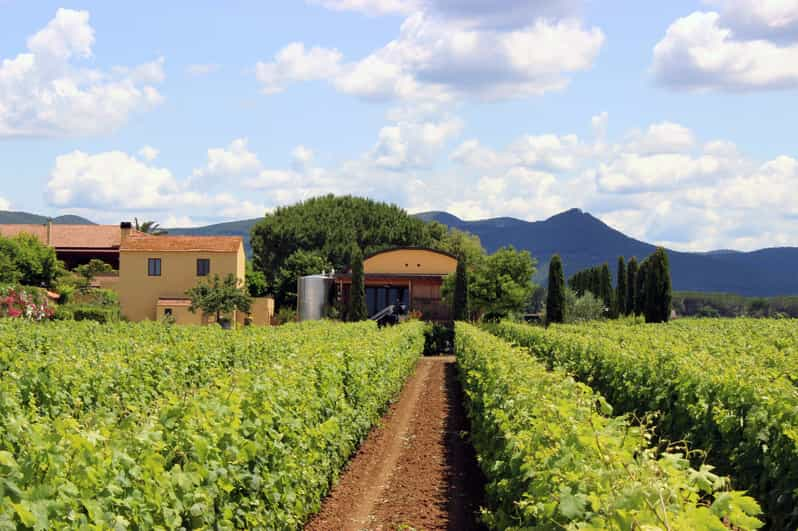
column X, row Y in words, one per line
column 415, row 471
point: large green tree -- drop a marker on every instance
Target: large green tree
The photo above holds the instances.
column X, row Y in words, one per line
column 631, row 282
column 555, row 300
column 658, row 295
column 620, row 288
column 357, row 296
column 29, row 262
column 460, row 310
column 328, row 227
column 502, row 284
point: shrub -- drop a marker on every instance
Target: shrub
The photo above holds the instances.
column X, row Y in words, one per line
column 86, row 312
column 25, row 303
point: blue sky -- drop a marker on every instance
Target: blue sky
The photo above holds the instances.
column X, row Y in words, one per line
column 674, row 124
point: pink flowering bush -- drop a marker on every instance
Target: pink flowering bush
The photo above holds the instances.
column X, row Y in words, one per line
column 24, row 303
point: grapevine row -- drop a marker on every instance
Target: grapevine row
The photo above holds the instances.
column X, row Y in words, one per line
column 555, row 458
column 148, row 427
column 726, row 387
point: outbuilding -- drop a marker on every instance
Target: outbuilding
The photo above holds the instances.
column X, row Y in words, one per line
column 412, row 276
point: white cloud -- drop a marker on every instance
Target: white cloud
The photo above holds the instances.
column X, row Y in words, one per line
column 699, row 53
column 664, row 137
column 108, row 180
column 294, row 63
column 769, row 19
column 149, row 153
column 5, row 204
column 202, row 69
column 439, row 57
column 43, row 92
column 234, row 161
column 412, row 144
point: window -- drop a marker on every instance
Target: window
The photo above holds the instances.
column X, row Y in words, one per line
column 203, row 267
column 154, row 267
column 167, row 311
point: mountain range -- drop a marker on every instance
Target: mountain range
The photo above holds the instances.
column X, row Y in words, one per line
column 582, row 241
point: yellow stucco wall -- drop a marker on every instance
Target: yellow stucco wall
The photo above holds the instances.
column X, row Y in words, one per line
column 410, row 262
column 139, row 292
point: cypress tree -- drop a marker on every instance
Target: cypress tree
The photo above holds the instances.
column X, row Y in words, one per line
column 555, row 299
column 605, row 292
column 460, row 309
column 658, row 294
column 357, row 295
column 640, row 288
column 631, row 282
column 620, row 295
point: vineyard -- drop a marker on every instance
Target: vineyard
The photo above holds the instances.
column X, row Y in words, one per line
column 605, row 425
column 556, row 458
column 726, row 387
column 146, row 426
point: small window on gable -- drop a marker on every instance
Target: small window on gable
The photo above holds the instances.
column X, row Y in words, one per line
column 203, row 267
column 154, row 267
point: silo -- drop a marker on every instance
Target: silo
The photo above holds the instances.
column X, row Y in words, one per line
column 313, row 294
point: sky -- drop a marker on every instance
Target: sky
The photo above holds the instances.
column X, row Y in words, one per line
column 674, row 122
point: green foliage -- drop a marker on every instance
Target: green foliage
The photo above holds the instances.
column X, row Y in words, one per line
column 460, row 309
column 585, row 308
column 87, row 272
column 145, row 426
column 502, row 284
column 555, row 458
column 25, row 260
column 438, row 339
column 620, row 289
column 87, row 312
column 631, row 282
column 726, row 386
column 729, row 305
column 328, row 227
column 219, row 297
column 150, row 227
column 357, row 310
column 256, row 282
column 297, row 265
column 285, row 315
column 640, row 288
column 555, row 300
column 657, row 308
column 458, row 243
column 605, row 286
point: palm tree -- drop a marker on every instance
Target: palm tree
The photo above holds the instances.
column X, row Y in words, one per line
column 150, row 227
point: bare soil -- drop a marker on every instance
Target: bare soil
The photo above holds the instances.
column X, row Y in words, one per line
column 415, row 471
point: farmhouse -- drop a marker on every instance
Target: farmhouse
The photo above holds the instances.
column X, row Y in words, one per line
column 156, row 271
column 410, row 275
column 76, row 244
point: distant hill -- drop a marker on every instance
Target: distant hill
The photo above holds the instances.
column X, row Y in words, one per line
column 25, row 218
column 583, row 240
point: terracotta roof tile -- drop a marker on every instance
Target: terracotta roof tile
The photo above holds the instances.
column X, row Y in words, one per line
column 85, row 236
column 9, row 231
column 70, row 236
column 207, row 244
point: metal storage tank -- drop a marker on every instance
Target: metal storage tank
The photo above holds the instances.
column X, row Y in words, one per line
column 313, row 294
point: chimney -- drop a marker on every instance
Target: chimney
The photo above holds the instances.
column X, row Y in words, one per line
column 125, row 229
column 49, row 232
